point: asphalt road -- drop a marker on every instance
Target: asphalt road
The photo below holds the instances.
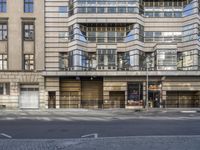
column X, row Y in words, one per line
column 115, row 127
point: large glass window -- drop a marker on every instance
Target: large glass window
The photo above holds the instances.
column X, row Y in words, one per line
column 3, row 31
column 111, row 37
column 28, row 31
column 135, row 59
column 3, row 6
column 166, row 59
column 101, row 37
column 92, row 36
column 3, row 62
column 29, row 62
column 188, row 60
column 106, row 59
column 132, row 10
column 78, row 60
column 111, row 9
column 100, row 10
column 189, row 8
column 121, row 9
column 189, row 32
column 135, row 94
column 64, row 58
column 91, row 9
column 158, row 36
column 28, row 6
column 81, row 10
column 168, row 14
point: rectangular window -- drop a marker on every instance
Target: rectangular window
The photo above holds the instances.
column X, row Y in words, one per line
column 135, row 94
column 3, row 62
column 64, row 64
column 120, row 36
column 100, row 37
column 148, row 14
column 100, row 10
column 4, row 88
column 3, row 32
column 28, row 6
column 28, row 31
column 91, row 9
column 81, row 10
column 178, row 14
column 158, row 14
column 106, row 59
column 132, row 10
column 168, row 14
column 166, row 59
column 111, row 9
column 111, row 37
column 121, row 9
column 28, row 62
column 92, row 36
column 3, row 6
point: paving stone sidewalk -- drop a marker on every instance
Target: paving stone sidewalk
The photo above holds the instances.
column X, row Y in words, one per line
column 120, row 143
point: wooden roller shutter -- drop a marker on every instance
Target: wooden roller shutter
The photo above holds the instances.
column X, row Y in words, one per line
column 92, row 94
column 69, row 94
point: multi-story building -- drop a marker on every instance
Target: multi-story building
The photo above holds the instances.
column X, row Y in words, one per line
column 99, row 53
column 21, row 54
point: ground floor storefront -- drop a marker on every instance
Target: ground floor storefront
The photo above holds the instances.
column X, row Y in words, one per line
column 19, row 90
column 122, row 92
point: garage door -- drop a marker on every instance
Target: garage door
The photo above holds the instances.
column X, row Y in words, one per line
column 182, row 99
column 92, row 94
column 117, row 99
column 29, row 97
column 70, row 94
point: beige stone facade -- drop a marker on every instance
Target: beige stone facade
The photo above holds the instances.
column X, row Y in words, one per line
column 14, row 76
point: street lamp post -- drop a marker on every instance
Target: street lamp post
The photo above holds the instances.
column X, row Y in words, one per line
column 147, row 84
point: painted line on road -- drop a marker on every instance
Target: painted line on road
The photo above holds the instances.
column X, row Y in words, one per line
column 189, row 111
column 95, row 135
column 6, row 135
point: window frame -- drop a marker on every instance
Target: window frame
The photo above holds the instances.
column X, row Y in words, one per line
column 3, row 31
column 29, row 64
column 3, row 6
column 28, row 6
column 3, row 62
column 29, row 30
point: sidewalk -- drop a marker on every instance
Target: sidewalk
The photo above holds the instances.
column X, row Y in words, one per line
column 156, row 112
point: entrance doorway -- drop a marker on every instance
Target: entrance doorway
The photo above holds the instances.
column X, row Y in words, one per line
column 154, row 95
column 52, row 99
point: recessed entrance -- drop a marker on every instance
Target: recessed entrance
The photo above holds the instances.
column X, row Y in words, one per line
column 52, row 99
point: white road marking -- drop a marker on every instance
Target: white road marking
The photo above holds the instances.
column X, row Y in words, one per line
column 189, row 111
column 95, row 135
column 6, row 135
